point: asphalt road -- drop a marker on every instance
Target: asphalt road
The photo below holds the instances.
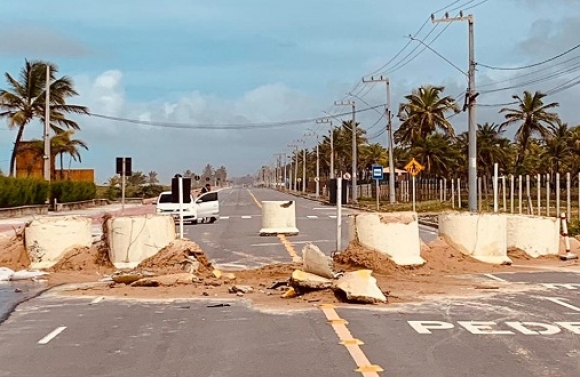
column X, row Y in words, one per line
column 234, row 240
column 532, row 333
column 528, row 327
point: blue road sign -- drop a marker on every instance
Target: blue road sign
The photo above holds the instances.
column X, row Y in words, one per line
column 377, row 172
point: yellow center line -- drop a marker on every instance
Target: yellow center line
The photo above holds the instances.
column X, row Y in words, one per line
column 255, row 199
column 352, row 344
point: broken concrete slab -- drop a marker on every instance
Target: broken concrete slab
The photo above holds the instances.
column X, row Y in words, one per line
column 315, row 262
column 241, row 288
column 307, row 280
column 360, row 286
column 127, row 277
column 166, row 280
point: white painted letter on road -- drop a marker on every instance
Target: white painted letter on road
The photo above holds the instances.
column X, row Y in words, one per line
column 523, row 327
column 482, row 328
column 572, row 326
column 425, row 327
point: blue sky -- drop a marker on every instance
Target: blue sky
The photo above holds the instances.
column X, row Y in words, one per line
column 224, row 62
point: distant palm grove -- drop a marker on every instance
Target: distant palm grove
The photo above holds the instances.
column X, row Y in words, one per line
column 543, row 143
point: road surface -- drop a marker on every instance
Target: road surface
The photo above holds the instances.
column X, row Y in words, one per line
column 234, row 240
column 515, row 332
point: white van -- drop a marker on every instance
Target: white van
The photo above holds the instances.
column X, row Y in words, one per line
column 205, row 207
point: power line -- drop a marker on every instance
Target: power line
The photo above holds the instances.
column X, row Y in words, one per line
column 234, row 126
column 530, row 65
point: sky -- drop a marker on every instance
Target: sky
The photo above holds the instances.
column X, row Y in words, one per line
column 219, row 64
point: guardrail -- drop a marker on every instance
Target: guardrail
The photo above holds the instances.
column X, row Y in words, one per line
column 33, row 210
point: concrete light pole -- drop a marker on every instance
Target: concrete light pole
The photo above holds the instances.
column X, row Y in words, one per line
column 331, row 134
column 354, row 148
column 471, row 107
column 392, row 196
column 47, row 127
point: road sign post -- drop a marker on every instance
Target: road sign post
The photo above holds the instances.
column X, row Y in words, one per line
column 338, row 214
column 414, row 168
column 377, row 176
column 123, row 169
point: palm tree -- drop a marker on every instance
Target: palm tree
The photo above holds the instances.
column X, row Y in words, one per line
column 370, row 154
column 25, row 100
column 492, row 148
column 424, row 113
column 152, row 177
column 437, row 153
column 557, row 151
column 533, row 116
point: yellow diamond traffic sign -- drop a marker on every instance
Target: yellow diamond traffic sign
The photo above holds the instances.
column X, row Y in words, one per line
column 414, row 167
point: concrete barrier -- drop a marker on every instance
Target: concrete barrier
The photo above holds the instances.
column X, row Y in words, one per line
column 135, row 238
column 47, row 239
column 483, row 237
column 278, row 217
column 536, row 236
column 395, row 235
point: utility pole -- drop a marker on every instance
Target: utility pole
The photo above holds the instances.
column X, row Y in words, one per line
column 317, row 170
column 294, row 187
column 354, row 153
column 304, row 170
column 331, row 132
column 392, row 196
column 47, row 127
column 471, row 107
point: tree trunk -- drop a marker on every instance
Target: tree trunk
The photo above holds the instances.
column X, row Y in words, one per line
column 61, row 166
column 15, row 150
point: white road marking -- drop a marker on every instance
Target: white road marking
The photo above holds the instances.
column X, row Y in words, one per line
column 312, row 217
column 97, row 300
column 246, row 217
column 570, row 286
column 332, row 216
column 559, row 301
column 53, row 334
column 495, row 278
column 224, row 218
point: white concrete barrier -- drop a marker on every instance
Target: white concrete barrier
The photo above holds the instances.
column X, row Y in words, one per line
column 278, row 217
column 396, row 235
column 136, row 238
column 483, row 237
column 536, row 236
column 48, row 239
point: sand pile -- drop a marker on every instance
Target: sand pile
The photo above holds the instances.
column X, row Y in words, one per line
column 175, row 258
column 357, row 256
column 90, row 260
column 12, row 252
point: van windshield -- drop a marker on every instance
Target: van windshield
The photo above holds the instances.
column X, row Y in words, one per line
column 165, row 198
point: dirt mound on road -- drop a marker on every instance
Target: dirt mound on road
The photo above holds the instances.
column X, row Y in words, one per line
column 12, row 252
column 89, row 260
column 174, row 258
column 358, row 256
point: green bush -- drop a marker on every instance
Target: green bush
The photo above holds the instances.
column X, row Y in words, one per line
column 15, row 192
column 69, row 191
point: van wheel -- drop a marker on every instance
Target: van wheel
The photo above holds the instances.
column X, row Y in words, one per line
column 212, row 220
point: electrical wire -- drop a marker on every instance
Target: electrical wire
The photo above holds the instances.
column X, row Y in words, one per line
column 530, row 65
column 239, row 126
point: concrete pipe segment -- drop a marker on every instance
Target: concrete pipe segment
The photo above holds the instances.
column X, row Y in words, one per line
column 48, row 239
column 278, row 217
column 136, row 238
column 483, row 237
column 536, row 236
column 394, row 234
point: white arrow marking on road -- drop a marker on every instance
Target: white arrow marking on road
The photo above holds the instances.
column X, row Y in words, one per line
column 53, row 334
column 495, row 278
column 97, row 300
column 559, row 301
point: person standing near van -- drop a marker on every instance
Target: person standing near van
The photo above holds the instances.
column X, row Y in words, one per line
column 206, row 188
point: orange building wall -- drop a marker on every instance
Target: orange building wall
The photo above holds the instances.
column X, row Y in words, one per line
column 30, row 165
